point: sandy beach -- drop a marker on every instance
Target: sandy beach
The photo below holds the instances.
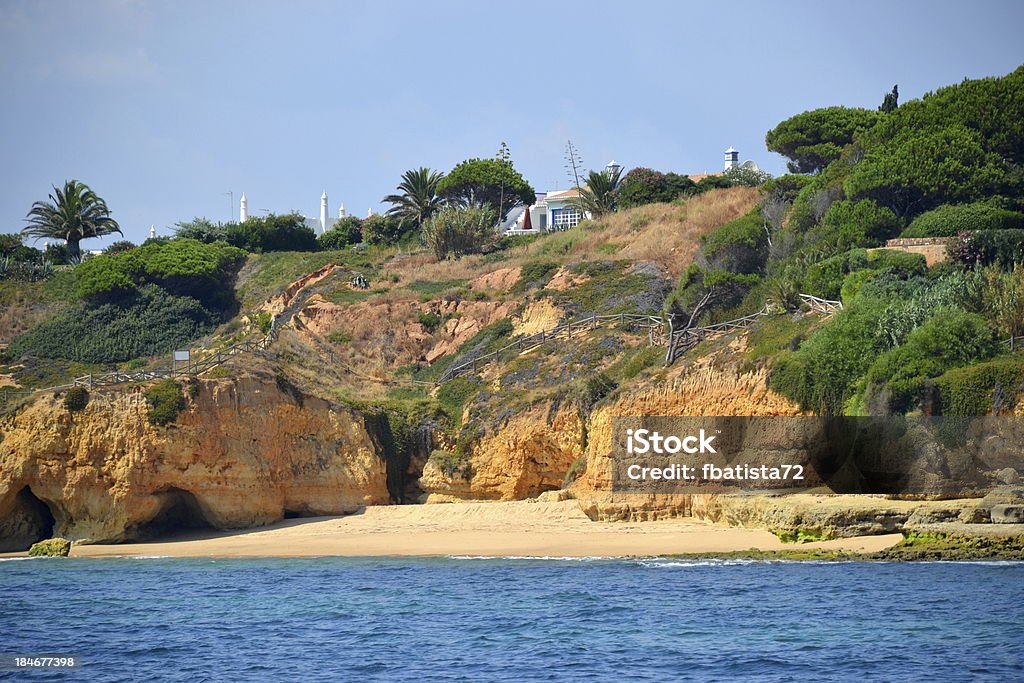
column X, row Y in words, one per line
column 506, row 529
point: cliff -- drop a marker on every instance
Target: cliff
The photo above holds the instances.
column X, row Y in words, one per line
column 244, row 453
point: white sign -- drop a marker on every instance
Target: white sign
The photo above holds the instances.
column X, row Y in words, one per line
column 181, row 356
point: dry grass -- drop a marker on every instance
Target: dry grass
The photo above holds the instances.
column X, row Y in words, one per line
column 666, row 234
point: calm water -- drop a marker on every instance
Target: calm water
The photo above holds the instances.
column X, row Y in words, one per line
column 515, row 620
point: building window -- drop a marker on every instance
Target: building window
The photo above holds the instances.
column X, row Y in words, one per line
column 563, row 219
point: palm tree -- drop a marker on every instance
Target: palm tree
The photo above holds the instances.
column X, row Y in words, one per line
column 418, row 199
column 599, row 196
column 72, row 214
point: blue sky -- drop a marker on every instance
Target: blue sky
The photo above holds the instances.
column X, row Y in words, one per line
column 165, row 107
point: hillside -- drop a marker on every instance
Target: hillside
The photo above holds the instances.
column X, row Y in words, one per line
column 394, row 375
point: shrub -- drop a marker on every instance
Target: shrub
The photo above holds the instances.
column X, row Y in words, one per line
column 51, row 547
column 576, row 470
column 346, row 231
column 165, row 402
column 263, row 321
column 451, row 464
column 950, row 220
column 646, row 186
column 822, row 374
column 453, row 232
column 430, row 321
column 382, row 229
column 119, row 246
column 147, row 323
column 740, row 246
column 76, row 399
column 535, row 274
column 1002, row 247
column 824, row 278
column 970, row 390
column 849, row 224
column 183, row 267
column 949, row 339
column 288, row 232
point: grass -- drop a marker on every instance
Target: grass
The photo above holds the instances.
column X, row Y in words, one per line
column 779, row 333
column 434, row 289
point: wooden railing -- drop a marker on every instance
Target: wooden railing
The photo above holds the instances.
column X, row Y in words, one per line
column 826, row 306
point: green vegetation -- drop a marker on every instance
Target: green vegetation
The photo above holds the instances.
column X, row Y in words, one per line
column 982, row 388
column 344, row 232
column 417, row 198
column 263, row 322
column 486, row 183
column 51, row 547
column 145, row 323
column 814, row 139
column 453, row 232
column 73, row 214
column 950, row 220
column 801, row 535
column 165, row 402
column 258, row 234
column 76, row 399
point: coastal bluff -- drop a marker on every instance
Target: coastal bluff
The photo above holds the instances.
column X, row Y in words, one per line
column 243, row 453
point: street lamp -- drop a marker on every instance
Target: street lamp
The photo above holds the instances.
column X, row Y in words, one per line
column 613, row 167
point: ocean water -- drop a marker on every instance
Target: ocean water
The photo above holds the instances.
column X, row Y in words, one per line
column 479, row 619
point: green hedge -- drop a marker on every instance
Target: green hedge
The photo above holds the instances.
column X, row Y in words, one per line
column 146, row 323
column 969, row 390
column 950, row 220
column 183, row 267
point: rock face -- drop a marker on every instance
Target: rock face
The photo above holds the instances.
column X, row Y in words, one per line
column 243, row 454
column 529, row 454
column 702, row 391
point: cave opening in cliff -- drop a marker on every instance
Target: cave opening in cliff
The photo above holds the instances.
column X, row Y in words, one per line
column 179, row 510
column 29, row 520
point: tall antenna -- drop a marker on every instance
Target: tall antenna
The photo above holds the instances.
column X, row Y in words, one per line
column 574, row 165
column 231, row 204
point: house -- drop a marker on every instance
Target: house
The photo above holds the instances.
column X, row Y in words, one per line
column 557, row 210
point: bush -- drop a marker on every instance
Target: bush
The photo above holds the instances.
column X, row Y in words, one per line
column 453, row 232
column 346, row 231
column 1001, row 247
column 51, row 547
column 740, row 246
column 970, row 390
column 382, row 229
column 146, row 323
column 951, row 338
column 272, row 233
column 534, row 274
column 822, row 375
column 825, row 278
column 949, row 220
column 849, row 224
column 165, row 402
column 183, row 267
column 119, row 246
column 76, row 399
column 646, row 186
column 430, row 321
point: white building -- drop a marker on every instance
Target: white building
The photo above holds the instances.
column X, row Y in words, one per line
column 320, row 225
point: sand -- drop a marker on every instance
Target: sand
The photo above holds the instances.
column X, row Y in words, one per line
column 505, row 529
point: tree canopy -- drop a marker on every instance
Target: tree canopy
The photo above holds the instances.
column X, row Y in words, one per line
column 486, row 182
column 814, row 139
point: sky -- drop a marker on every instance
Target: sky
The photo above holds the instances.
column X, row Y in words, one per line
column 171, row 110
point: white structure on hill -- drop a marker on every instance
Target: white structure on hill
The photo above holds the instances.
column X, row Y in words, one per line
column 321, row 224
column 732, row 160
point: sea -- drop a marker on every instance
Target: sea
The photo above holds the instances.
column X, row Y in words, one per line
column 509, row 619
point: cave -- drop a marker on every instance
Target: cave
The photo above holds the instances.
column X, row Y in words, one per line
column 28, row 521
column 179, row 511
